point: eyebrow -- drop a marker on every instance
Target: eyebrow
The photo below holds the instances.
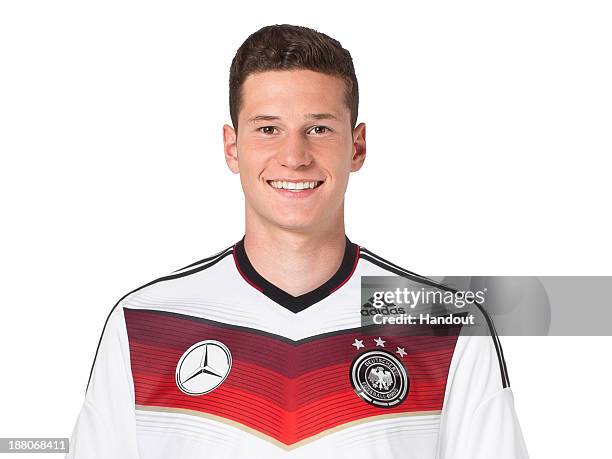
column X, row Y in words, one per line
column 311, row 116
column 320, row 116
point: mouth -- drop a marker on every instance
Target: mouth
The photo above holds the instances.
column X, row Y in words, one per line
column 295, row 186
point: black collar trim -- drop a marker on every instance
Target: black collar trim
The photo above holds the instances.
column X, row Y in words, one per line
column 297, row 303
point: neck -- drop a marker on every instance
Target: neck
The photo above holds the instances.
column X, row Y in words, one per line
column 295, row 261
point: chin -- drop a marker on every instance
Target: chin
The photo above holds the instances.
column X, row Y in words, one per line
column 300, row 222
column 296, row 225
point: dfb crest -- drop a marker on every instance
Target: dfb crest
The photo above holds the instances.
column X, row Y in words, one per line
column 380, row 378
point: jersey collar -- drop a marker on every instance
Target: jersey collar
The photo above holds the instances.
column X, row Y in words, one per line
column 297, row 303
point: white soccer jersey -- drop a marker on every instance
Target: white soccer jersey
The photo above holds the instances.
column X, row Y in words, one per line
column 213, row 361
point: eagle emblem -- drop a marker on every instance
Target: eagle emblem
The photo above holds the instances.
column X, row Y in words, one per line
column 380, row 378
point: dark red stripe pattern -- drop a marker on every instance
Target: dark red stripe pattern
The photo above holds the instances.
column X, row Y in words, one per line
column 286, row 390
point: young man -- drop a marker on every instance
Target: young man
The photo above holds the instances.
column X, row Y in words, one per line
column 258, row 351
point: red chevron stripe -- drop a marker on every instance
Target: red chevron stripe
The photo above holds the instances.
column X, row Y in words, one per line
column 286, row 390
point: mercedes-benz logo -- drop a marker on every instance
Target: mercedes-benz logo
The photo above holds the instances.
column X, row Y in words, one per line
column 203, row 367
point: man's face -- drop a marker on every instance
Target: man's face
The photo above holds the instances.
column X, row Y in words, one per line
column 294, row 149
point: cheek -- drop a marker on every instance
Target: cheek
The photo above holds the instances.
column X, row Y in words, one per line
column 254, row 153
column 339, row 168
column 250, row 163
column 343, row 172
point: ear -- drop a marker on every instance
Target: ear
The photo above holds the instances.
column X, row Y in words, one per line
column 359, row 147
column 230, row 148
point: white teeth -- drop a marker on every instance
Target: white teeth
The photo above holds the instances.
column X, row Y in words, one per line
column 293, row 186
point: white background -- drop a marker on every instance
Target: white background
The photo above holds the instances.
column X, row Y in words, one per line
column 488, row 129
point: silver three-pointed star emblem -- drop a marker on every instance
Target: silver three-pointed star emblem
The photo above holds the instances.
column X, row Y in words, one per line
column 203, row 367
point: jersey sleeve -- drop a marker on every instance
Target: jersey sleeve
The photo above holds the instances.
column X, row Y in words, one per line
column 106, row 425
column 479, row 420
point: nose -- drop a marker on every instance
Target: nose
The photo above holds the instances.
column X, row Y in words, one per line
column 293, row 152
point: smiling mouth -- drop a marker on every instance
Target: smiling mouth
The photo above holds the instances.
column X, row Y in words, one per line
column 295, row 187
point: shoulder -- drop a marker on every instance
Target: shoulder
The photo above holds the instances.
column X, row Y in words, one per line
column 482, row 338
column 377, row 265
column 160, row 286
column 200, row 270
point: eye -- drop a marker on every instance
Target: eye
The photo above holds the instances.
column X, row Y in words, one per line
column 268, row 130
column 320, row 129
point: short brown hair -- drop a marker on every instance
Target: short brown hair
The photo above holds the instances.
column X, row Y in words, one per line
column 290, row 47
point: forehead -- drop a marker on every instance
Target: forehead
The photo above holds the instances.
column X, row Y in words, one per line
column 296, row 90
